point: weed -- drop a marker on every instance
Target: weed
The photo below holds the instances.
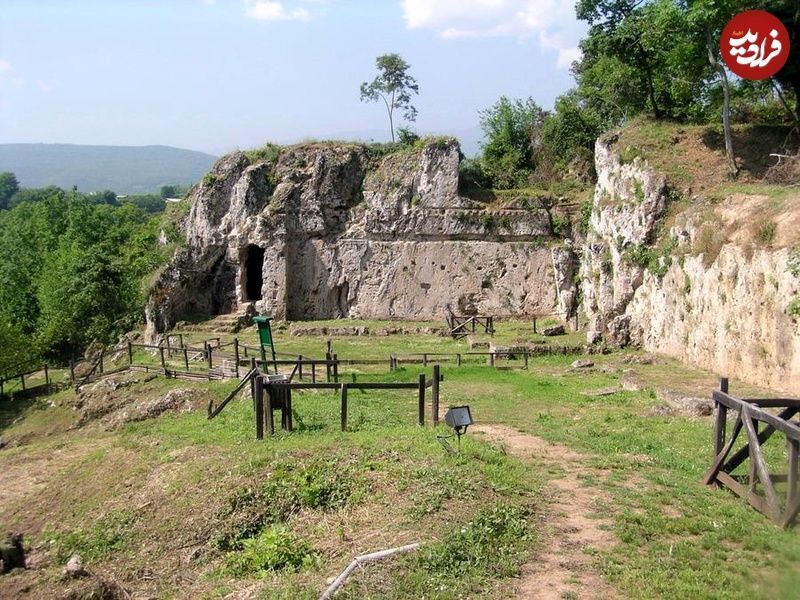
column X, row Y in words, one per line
column 793, row 310
column 487, row 221
column 110, row 534
column 765, row 231
column 793, row 262
column 273, row 549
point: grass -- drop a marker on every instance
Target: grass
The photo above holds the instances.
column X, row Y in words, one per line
column 287, row 513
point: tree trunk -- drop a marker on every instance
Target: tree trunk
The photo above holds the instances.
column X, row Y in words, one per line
column 726, row 107
column 651, row 91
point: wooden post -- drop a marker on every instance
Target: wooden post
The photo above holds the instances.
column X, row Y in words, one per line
column 424, row 360
column 491, row 359
column 313, row 372
column 72, row 370
column 161, row 354
column 328, row 367
column 791, row 488
column 180, row 339
column 458, row 359
column 236, row 355
column 336, row 368
column 252, row 380
column 46, row 376
column 421, row 399
column 300, row 367
column 210, row 359
column 534, row 324
column 525, row 354
column 186, row 358
column 130, row 353
column 270, row 404
column 391, row 363
column 169, row 347
column 753, row 474
column 330, row 347
column 344, row 407
column 259, row 408
column 435, row 396
column 720, row 419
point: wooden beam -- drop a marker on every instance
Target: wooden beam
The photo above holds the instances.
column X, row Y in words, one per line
column 760, row 464
column 716, row 468
column 421, row 399
column 763, row 436
column 259, row 408
column 791, row 430
column 344, row 406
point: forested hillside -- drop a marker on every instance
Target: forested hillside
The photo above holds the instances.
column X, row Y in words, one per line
column 124, row 169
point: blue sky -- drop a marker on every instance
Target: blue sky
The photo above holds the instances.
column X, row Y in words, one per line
column 214, row 75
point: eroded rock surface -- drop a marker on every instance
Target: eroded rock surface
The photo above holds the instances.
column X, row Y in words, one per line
column 328, row 230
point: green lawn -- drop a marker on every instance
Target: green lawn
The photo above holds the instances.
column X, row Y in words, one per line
column 287, row 513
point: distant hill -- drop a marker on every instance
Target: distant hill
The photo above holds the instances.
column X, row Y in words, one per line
column 123, row 169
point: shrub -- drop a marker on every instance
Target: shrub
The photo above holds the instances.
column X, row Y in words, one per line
column 407, row 137
column 274, row 549
column 209, row 179
column 586, row 215
column 471, row 174
column 487, row 221
column 793, row 263
column 765, row 231
column 793, row 310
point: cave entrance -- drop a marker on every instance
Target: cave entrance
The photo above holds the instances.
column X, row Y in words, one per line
column 253, row 273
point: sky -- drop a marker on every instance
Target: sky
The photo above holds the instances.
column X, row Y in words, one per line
column 216, row 75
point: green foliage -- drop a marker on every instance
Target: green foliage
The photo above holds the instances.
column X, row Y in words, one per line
column 793, row 262
column 586, row 216
column 471, row 175
column 150, row 203
column 394, row 86
column 273, row 549
column 173, row 191
column 209, row 179
column 657, row 260
column 109, row 535
column 765, row 231
column 487, row 221
column 8, row 187
column 268, row 153
column 569, row 133
column 793, row 310
column 407, row 137
column 14, row 349
column 509, row 128
column 489, row 546
column 72, row 269
column 321, row 484
column 562, row 227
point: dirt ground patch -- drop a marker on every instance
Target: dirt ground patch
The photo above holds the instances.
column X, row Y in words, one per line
column 571, row 529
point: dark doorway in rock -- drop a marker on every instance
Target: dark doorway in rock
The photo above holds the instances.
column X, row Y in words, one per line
column 253, row 273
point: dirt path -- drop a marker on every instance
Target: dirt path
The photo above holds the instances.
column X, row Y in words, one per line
column 570, row 528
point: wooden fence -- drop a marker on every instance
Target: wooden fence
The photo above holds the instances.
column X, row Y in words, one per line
column 750, row 414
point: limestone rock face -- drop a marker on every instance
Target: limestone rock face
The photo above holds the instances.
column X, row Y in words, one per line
column 330, row 230
column 728, row 314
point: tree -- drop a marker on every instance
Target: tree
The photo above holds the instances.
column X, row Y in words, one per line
column 8, row 187
column 394, row 86
column 708, row 17
column 512, row 131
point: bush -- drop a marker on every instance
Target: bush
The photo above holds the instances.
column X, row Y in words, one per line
column 471, row 175
column 793, row 263
column 407, row 137
column 274, row 549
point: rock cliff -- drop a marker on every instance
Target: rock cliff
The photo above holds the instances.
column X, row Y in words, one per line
column 651, row 275
column 331, row 230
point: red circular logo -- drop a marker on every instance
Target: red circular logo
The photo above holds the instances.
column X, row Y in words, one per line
column 754, row 44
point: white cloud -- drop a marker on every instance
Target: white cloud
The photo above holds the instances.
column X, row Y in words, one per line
column 553, row 22
column 17, row 81
column 44, row 86
column 271, row 10
column 5, row 66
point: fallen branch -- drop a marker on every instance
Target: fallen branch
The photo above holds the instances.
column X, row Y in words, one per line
column 359, row 561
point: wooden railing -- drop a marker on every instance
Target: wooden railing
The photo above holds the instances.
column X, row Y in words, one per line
column 749, row 416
